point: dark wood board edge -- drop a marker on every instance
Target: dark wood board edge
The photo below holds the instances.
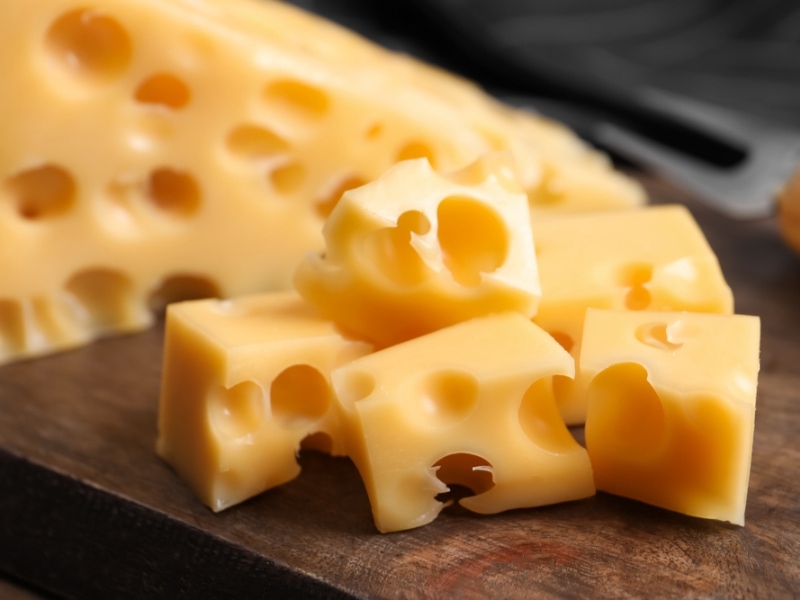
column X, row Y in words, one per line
column 79, row 541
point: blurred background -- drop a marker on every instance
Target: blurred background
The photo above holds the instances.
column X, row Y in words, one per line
column 741, row 54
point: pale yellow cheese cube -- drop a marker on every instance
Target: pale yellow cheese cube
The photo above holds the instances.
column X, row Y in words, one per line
column 415, row 251
column 652, row 258
column 244, row 383
column 467, row 403
column 671, row 407
column 155, row 150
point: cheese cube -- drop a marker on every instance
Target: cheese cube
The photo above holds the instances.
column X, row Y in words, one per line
column 671, row 408
column 416, row 251
column 654, row 258
column 244, row 382
column 463, row 405
column 155, row 150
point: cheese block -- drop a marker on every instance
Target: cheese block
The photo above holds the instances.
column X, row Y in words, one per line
column 245, row 382
column 654, row 258
column 788, row 208
column 671, row 407
column 464, row 405
column 416, row 251
column 156, row 150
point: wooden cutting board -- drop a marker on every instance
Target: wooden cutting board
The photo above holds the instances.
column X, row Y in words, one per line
column 88, row 510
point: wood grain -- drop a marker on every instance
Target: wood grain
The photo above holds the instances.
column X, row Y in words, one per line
column 88, row 510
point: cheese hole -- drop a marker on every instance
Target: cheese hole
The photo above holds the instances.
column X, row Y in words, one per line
column 164, row 89
column 551, row 188
column 254, row 142
column 177, row 288
column 390, row 250
column 416, row 149
column 41, row 193
column 90, row 44
column 473, row 239
column 330, row 199
column 624, row 411
column 318, row 441
column 374, row 131
column 443, row 398
column 564, row 340
column 288, row 178
column 299, row 395
column 657, row 335
column 495, row 166
column 541, row 420
column 104, row 296
column 635, row 276
column 12, row 327
column 236, row 411
column 354, row 385
column 295, row 100
column 464, row 474
column 173, row 192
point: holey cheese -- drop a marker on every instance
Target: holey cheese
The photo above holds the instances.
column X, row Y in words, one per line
column 415, row 251
column 656, row 258
column 465, row 405
column 245, row 383
column 671, row 407
column 159, row 149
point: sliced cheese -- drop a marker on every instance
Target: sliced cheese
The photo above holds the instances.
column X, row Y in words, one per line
column 161, row 149
column 654, row 258
column 244, row 383
column 464, row 405
column 671, row 407
column 416, row 251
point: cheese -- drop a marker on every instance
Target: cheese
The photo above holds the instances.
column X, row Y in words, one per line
column 654, row 258
column 671, row 407
column 155, row 150
column 464, row 405
column 244, row 382
column 416, row 251
column 788, row 208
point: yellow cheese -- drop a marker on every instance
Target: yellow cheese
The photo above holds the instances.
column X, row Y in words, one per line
column 415, row 251
column 466, row 403
column 244, row 382
column 671, row 407
column 163, row 149
column 654, row 258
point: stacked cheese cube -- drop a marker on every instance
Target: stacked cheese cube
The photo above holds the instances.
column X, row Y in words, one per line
column 445, row 338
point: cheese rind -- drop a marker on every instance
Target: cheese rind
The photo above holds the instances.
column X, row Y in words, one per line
column 671, row 407
column 468, row 401
column 653, row 258
column 415, row 251
column 205, row 163
column 244, row 382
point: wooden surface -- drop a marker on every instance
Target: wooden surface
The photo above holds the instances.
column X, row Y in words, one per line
column 88, row 510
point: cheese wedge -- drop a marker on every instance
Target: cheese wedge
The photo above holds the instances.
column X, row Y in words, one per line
column 671, row 408
column 416, row 251
column 244, row 383
column 155, row 150
column 655, row 258
column 464, row 405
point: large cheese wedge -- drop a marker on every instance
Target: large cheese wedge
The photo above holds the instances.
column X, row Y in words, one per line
column 671, row 408
column 245, row 382
column 161, row 149
column 464, row 405
column 416, row 251
column 655, row 258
